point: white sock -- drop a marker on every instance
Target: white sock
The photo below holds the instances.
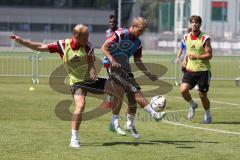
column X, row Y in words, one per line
column 207, row 112
column 130, row 120
column 149, row 109
column 109, row 98
column 74, row 134
column 115, row 120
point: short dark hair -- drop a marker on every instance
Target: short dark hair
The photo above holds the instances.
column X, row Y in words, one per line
column 195, row 18
column 112, row 16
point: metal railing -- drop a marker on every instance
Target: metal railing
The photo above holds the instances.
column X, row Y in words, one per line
column 38, row 66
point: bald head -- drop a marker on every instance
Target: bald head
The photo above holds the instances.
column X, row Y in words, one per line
column 80, row 34
column 80, row 29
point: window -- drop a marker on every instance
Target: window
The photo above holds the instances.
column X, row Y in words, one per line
column 219, row 10
column 44, row 27
column 100, row 4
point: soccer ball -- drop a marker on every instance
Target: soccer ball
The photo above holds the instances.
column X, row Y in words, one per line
column 158, row 103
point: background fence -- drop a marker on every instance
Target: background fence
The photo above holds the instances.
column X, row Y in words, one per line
column 35, row 65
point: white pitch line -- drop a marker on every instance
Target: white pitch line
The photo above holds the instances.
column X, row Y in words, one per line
column 208, row 129
column 227, row 103
column 202, row 128
column 185, row 110
column 219, row 102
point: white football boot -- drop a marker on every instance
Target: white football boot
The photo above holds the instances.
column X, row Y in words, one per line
column 132, row 130
column 74, row 143
column 191, row 110
column 158, row 116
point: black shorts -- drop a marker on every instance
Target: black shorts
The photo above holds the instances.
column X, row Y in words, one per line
column 202, row 79
column 95, row 87
column 125, row 79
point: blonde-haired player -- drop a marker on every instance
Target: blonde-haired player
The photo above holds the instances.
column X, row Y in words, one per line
column 119, row 48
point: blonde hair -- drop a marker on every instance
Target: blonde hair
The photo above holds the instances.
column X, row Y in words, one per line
column 139, row 22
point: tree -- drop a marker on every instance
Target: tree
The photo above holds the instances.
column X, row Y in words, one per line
column 150, row 11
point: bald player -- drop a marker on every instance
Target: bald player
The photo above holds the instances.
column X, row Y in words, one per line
column 77, row 54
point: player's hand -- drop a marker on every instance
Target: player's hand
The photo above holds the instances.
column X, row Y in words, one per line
column 176, row 60
column 151, row 76
column 115, row 64
column 193, row 56
column 15, row 37
column 183, row 65
column 93, row 76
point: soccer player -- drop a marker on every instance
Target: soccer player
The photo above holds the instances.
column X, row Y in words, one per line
column 112, row 26
column 181, row 56
column 114, row 125
column 182, row 50
column 119, row 48
column 77, row 54
column 199, row 52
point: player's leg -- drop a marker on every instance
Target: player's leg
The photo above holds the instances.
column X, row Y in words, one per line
column 110, row 98
column 79, row 98
column 117, row 92
column 130, row 117
column 143, row 102
column 206, row 105
column 203, row 83
column 188, row 82
column 117, row 100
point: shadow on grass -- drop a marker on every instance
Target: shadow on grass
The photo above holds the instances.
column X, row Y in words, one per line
column 179, row 144
column 225, row 122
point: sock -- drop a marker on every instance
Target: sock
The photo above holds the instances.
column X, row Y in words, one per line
column 74, row 134
column 109, row 98
column 130, row 120
column 149, row 109
column 191, row 102
column 115, row 120
column 207, row 112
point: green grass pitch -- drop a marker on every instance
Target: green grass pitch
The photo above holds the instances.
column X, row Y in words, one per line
column 29, row 128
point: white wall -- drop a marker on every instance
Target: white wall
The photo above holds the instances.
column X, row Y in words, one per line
column 60, row 16
column 226, row 29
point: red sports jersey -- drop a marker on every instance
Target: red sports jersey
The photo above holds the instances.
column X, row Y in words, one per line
column 55, row 47
column 204, row 37
column 119, row 34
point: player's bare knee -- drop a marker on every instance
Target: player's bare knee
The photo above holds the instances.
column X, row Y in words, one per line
column 79, row 109
column 184, row 90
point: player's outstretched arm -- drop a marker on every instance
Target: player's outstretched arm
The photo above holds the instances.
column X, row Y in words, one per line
column 141, row 66
column 178, row 55
column 32, row 45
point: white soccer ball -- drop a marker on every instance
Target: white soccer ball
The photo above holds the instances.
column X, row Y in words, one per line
column 158, row 103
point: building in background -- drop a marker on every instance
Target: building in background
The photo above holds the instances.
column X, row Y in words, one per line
column 49, row 20
column 221, row 17
column 221, row 20
column 54, row 19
